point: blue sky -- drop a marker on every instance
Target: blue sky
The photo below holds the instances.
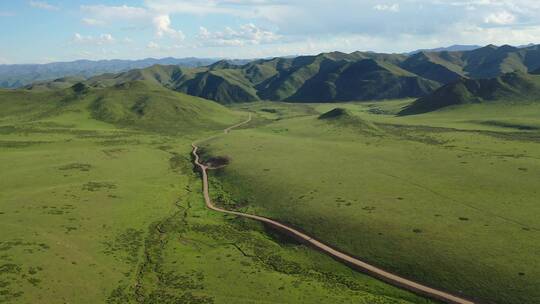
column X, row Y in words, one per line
column 37, row 31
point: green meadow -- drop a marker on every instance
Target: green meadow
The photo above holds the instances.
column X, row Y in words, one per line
column 448, row 198
column 99, row 203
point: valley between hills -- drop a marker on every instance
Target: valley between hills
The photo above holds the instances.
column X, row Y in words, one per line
column 423, row 165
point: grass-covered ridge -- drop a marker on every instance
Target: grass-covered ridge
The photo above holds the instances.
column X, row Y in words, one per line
column 509, row 88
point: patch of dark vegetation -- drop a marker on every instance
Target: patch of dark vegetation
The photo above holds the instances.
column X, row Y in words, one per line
column 179, row 163
column 97, row 186
column 114, row 153
column 217, row 161
column 8, row 130
column 416, row 230
column 502, row 124
column 34, row 270
column 8, row 296
column 34, row 281
column 126, row 245
column 8, row 245
column 20, row 144
column 163, row 297
column 374, row 109
column 43, row 128
column 69, row 229
column 10, row 268
column 268, row 110
column 120, row 295
column 223, row 198
column 192, row 280
column 278, row 263
column 165, row 148
column 80, row 88
column 76, row 166
column 336, row 113
column 119, row 142
column 464, row 219
column 422, row 134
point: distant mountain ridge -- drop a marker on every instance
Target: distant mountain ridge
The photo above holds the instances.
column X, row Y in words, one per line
column 18, row 75
column 452, row 48
column 327, row 77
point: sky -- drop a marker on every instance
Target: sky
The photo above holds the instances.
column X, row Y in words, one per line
column 40, row 31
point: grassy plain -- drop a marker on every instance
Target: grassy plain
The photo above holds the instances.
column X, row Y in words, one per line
column 99, row 204
column 448, row 198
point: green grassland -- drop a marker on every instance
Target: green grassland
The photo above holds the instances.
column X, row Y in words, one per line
column 99, row 204
column 449, row 198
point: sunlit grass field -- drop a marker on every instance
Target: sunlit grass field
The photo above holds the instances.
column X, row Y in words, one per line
column 448, row 198
column 101, row 205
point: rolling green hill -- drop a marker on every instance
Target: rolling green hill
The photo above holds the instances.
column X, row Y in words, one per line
column 135, row 104
column 510, row 87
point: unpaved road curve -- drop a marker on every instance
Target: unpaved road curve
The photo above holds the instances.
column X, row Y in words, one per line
column 336, row 254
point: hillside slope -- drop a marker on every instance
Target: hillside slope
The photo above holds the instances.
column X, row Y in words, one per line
column 517, row 87
column 486, row 62
column 134, row 104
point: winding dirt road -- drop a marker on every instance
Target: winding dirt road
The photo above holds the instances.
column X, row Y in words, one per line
column 336, row 254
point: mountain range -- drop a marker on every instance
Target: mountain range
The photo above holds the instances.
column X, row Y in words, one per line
column 18, row 75
column 436, row 78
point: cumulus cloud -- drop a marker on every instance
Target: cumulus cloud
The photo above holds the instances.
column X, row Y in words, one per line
column 100, row 40
column 500, row 18
column 247, row 34
column 43, row 5
column 162, row 25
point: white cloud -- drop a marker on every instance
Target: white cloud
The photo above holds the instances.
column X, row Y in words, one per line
column 152, row 45
column 162, row 25
column 387, row 7
column 500, row 18
column 43, row 5
column 105, row 13
column 100, row 40
column 247, row 34
column 279, row 27
column 93, row 22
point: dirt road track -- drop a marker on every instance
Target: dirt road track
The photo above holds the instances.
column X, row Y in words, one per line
column 336, row 254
